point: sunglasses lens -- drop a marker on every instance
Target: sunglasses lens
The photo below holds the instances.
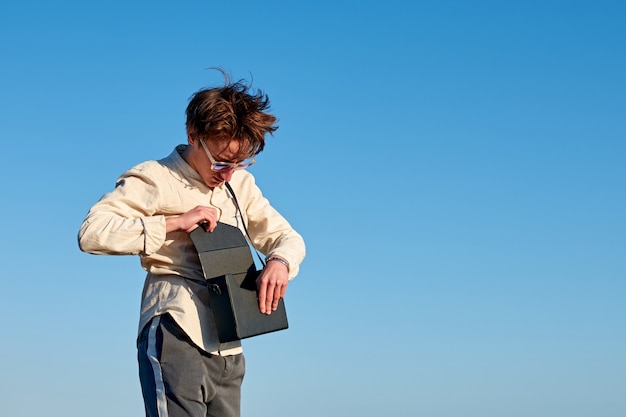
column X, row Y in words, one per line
column 220, row 167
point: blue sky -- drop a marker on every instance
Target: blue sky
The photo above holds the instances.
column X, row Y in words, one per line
column 457, row 170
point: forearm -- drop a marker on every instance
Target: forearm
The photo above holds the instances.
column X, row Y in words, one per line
column 272, row 234
column 108, row 234
column 289, row 247
column 124, row 221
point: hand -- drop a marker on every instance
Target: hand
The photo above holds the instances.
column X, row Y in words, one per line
column 189, row 221
column 272, row 286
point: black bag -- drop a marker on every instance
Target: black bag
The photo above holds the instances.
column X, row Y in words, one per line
column 231, row 279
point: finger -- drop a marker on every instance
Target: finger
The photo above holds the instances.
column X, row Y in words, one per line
column 192, row 228
column 270, row 298
column 210, row 225
column 277, row 296
column 262, row 295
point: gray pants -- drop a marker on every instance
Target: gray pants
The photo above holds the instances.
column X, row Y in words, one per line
column 180, row 380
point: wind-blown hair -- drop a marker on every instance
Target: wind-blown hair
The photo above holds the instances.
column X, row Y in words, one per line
column 233, row 111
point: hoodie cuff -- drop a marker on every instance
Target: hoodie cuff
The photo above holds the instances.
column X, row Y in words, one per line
column 153, row 233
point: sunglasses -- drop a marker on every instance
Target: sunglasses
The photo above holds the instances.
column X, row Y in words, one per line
column 221, row 166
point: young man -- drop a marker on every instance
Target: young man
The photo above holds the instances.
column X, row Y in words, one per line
column 184, row 371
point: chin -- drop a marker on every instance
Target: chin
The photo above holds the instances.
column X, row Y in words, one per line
column 214, row 183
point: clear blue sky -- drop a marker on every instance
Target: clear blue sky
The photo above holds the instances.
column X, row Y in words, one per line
column 457, row 169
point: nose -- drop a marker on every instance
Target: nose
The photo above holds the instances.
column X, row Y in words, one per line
column 226, row 174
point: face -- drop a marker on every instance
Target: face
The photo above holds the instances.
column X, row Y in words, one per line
column 222, row 150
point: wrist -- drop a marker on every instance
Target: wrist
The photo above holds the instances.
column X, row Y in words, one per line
column 273, row 258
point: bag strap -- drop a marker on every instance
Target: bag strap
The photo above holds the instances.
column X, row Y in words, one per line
column 230, row 189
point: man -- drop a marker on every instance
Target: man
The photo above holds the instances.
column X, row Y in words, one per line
column 184, row 371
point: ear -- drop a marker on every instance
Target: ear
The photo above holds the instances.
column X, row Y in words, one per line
column 190, row 138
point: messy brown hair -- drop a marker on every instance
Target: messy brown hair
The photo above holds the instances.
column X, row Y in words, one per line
column 233, row 111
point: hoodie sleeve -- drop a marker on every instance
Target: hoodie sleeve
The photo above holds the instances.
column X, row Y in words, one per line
column 122, row 222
